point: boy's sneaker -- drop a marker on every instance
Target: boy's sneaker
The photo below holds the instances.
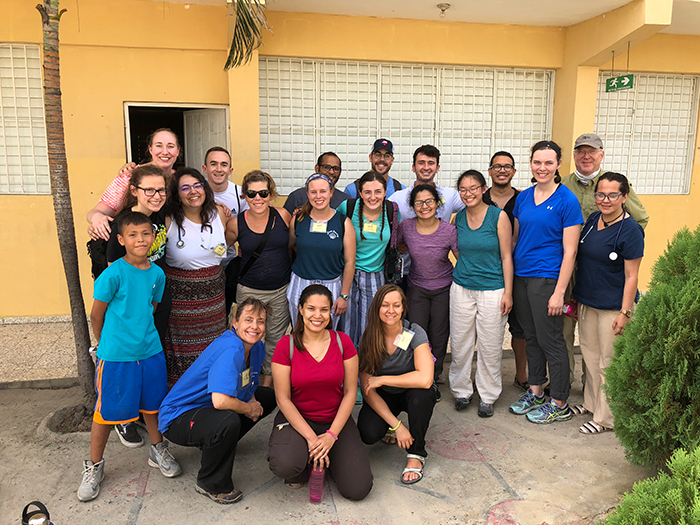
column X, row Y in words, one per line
column 93, row 474
column 128, row 435
column 162, row 458
column 527, row 402
column 549, row 413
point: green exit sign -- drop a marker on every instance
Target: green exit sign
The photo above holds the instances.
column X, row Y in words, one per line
column 619, row 83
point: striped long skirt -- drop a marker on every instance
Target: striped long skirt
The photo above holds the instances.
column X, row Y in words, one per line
column 198, row 316
column 364, row 288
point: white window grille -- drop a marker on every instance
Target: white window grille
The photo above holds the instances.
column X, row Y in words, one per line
column 649, row 131
column 24, row 161
column 311, row 106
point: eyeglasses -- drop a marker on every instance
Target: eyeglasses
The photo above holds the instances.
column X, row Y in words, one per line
column 386, row 156
column 187, row 187
column 585, row 152
column 328, row 167
column 426, row 202
column 502, row 167
column 150, row 192
column 612, row 197
column 252, row 193
column 472, row 191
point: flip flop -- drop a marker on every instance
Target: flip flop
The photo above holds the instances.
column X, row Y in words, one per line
column 408, row 470
column 593, row 428
column 389, row 438
column 579, row 410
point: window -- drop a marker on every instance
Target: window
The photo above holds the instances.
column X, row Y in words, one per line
column 24, row 161
column 649, row 131
column 310, row 106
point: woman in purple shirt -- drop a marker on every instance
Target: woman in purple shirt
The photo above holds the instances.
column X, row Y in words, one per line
column 429, row 241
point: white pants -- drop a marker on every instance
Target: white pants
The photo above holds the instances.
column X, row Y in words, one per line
column 475, row 318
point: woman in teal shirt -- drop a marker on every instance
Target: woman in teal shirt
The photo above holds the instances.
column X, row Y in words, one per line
column 481, row 295
column 369, row 216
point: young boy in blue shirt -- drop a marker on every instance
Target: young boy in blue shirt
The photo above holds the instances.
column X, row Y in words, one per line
column 130, row 375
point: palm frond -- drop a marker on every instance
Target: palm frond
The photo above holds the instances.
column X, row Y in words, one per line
column 247, row 33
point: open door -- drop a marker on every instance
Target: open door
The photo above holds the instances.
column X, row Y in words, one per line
column 204, row 128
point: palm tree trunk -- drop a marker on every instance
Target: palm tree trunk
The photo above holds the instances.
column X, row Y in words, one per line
column 60, row 191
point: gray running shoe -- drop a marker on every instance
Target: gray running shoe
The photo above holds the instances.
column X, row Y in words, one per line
column 93, row 474
column 485, row 409
column 161, row 458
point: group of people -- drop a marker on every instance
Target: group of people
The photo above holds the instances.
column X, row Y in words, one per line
column 365, row 279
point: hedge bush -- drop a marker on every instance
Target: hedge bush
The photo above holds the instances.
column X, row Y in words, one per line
column 653, row 381
column 667, row 499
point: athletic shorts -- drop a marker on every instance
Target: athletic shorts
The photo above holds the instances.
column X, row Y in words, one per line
column 125, row 389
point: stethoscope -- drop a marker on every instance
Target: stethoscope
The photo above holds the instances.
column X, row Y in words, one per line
column 181, row 244
column 613, row 254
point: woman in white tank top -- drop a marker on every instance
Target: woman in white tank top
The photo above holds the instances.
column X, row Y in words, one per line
column 195, row 248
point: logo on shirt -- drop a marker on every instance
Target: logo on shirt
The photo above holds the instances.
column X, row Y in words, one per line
column 333, row 234
column 550, row 207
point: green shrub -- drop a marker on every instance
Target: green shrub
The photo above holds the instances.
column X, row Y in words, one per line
column 666, row 500
column 653, row 381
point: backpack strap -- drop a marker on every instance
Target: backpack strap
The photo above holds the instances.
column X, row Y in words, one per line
column 350, row 207
column 397, row 185
column 340, row 343
column 389, row 210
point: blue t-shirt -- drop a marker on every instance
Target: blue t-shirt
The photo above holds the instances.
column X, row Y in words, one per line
column 371, row 251
column 320, row 253
column 540, row 248
column 129, row 333
column 218, row 369
column 479, row 264
column 351, row 189
column 600, row 281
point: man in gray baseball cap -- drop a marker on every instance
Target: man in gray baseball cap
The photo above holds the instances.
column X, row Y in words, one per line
column 588, row 156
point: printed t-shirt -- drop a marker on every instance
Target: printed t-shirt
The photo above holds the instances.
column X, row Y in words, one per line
column 129, row 332
column 220, row 368
column 317, row 388
column 156, row 253
column 540, row 248
column 600, row 281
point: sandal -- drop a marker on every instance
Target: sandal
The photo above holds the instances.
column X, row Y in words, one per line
column 579, row 410
column 408, row 470
column 389, row 438
column 593, row 428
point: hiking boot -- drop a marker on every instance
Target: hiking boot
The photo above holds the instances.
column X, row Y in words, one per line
column 128, row 435
column 527, row 401
column 549, row 413
column 224, row 499
column 93, row 474
column 485, row 409
column 162, row 458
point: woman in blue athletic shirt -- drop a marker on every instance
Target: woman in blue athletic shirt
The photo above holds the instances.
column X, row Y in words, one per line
column 548, row 222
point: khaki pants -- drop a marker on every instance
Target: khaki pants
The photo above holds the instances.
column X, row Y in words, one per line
column 597, row 338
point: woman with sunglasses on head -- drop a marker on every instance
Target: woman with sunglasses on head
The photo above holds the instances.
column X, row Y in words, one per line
column 315, row 373
column 262, row 232
column 164, row 150
column 609, row 255
column 429, row 241
column 195, row 248
column 371, row 221
column 396, row 372
column 325, row 244
column 481, row 296
column 548, row 224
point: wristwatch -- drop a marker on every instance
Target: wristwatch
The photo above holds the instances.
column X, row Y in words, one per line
column 628, row 313
column 344, row 296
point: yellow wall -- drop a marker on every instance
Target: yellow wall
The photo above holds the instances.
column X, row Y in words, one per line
column 145, row 51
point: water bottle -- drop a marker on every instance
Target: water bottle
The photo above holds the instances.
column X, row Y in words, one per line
column 317, row 480
column 36, row 517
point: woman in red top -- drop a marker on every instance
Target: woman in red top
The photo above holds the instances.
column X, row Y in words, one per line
column 315, row 385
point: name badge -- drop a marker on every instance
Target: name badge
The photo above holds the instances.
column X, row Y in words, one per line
column 442, row 200
column 245, row 378
column 404, row 339
column 318, row 227
column 369, row 228
column 220, row 249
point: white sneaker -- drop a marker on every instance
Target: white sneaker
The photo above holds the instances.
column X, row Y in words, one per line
column 93, row 474
column 161, row 458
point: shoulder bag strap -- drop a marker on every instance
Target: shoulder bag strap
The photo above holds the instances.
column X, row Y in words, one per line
column 261, row 246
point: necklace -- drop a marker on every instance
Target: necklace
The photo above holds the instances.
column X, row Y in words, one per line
column 608, row 223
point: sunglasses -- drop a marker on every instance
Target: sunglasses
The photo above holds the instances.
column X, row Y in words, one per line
column 252, row 193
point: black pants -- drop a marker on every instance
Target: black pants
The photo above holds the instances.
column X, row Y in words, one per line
column 543, row 333
column 216, row 433
column 430, row 309
column 418, row 403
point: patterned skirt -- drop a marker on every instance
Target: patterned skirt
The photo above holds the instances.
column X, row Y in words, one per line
column 198, row 316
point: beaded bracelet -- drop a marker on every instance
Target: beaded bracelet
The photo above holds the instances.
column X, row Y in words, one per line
column 396, row 427
column 332, row 434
